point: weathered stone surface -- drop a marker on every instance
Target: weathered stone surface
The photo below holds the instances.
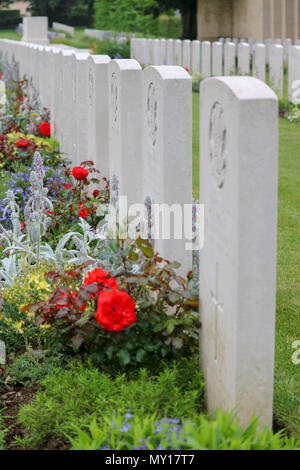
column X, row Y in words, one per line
column 167, row 149
column 238, row 187
column 35, row 29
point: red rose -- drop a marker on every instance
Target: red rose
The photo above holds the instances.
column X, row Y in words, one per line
column 68, row 186
column 100, row 276
column 79, row 173
column 96, row 193
column 23, row 225
column 68, row 302
column 22, row 143
column 83, row 213
column 187, row 69
column 115, row 310
column 45, row 129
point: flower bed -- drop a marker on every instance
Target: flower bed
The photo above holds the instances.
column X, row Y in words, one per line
column 71, row 293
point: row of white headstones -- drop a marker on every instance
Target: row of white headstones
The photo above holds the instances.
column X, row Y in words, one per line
column 226, row 57
column 137, row 124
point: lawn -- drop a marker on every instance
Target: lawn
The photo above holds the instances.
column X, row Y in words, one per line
column 287, row 374
column 10, row 34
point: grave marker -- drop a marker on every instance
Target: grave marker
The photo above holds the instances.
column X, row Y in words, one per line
column 238, row 187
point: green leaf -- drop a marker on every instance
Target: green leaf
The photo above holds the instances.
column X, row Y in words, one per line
column 140, row 355
column 124, row 357
column 170, row 328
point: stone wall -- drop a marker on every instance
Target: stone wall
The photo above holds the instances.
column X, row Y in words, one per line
column 259, row 19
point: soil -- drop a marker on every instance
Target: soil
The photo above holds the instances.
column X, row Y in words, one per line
column 12, row 398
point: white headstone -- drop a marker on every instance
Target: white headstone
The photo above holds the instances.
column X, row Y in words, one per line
column 268, row 44
column 217, row 59
column 125, row 127
column 142, row 50
column 35, row 29
column 132, row 48
column 186, row 54
column 167, row 153
column 170, row 52
column 163, row 52
column 259, row 62
column 147, row 56
column 243, row 58
column 66, row 113
column 206, row 59
column 196, row 46
column 229, row 59
column 276, row 69
column 80, row 92
column 2, row 93
column 294, row 75
column 55, row 85
column 178, row 52
column 238, row 187
column 156, row 51
column 98, row 101
column 287, row 44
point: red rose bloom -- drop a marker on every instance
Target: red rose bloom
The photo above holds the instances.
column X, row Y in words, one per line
column 79, row 173
column 96, row 193
column 83, row 213
column 99, row 276
column 68, row 302
column 45, row 129
column 68, row 186
column 115, row 311
column 23, row 225
column 22, row 143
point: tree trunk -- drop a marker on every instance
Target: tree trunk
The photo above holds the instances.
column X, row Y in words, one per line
column 189, row 21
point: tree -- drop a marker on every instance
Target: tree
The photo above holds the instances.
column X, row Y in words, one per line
column 188, row 9
column 5, row 3
column 73, row 12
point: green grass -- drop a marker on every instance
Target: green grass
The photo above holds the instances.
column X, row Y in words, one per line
column 79, row 41
column 73, row 397
column 287, row 374
column 10, row 34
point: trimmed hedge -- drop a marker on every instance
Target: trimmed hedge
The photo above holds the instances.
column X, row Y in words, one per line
column 10, row 18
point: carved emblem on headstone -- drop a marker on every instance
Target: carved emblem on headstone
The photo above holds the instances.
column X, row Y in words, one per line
column 217, row 144
column 114, row 97
column 152, row 112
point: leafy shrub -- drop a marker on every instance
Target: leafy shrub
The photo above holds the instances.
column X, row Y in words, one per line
column 167, row 27
column 17, row 328
column 203, row 433
column 167, row 319
column 3, row 432
column 73, row 397
column 125, row 15
column 9, row 18
column 112, row 48
column 30, row 368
